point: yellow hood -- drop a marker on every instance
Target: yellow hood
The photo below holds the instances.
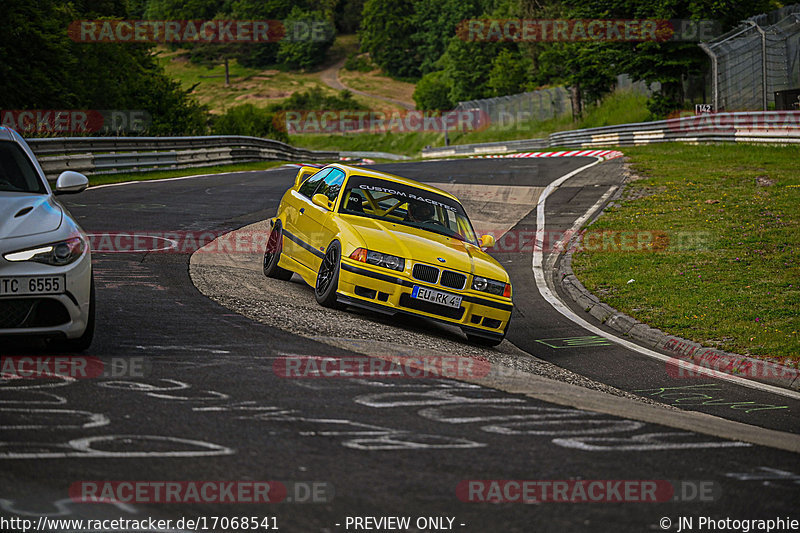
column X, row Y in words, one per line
column 422, row 246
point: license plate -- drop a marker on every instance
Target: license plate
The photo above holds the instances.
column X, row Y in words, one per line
column 437, row 297
column 27, row 285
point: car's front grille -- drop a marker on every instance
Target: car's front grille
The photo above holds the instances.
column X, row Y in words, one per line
column 428, row 307
column 32, row 313
column 14, row 312
column 454, row 280
column 425, row 273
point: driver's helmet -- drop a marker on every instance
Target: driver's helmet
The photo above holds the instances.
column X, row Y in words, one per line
column 355, row 203
column 420, row 211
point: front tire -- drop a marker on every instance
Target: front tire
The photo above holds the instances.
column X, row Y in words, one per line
column 328, row 277
column 272, row 254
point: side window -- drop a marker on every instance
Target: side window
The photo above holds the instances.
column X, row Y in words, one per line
column 331, row 185
column 310, row 185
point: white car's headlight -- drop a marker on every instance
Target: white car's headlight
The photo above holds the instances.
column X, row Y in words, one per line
column 56, row 254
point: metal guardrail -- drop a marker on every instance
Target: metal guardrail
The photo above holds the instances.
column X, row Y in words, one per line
column 486, row 148
column 102, row 155
column 777, row 127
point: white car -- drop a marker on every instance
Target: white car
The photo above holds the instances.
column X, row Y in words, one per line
column 46, row 284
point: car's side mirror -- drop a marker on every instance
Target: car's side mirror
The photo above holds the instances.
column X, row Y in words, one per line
column 487, row 241
column 303, row 173
column 70, row 182
column 321, row 200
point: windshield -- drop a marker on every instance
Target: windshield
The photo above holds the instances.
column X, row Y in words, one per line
column 406, row 205
column 17, row 173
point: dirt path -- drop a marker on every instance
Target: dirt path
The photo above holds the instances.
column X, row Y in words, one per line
column 330, row 77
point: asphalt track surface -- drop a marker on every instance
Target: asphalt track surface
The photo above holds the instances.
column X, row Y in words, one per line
column 211, row 408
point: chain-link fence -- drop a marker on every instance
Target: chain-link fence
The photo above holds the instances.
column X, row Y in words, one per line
column 536, row 105
column 754, row 60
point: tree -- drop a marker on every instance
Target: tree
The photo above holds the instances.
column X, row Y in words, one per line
column 433, row 93
column 510, row 73
column 467, row 66
column 386, row 33
column 310, row 36
column 435, row 22
column 348, row 15
column 590, row 66
column 52, row 72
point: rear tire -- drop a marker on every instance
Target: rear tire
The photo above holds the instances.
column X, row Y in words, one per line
column 328, row 277
column 272, row 254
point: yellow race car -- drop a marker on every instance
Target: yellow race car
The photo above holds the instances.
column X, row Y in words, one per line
column 389, row 244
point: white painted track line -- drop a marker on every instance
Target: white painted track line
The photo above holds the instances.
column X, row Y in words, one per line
column 549, row 295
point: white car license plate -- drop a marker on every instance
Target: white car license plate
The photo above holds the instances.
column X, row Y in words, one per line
column 437, row 297
column 27, row 285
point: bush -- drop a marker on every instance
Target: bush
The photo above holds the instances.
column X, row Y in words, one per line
column 315, row 100
column 433, row 92
column 359, row 62
column 660, row 106
column 249, row 120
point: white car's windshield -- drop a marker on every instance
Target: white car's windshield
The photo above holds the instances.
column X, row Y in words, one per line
column 17, row 173
column 406, row 205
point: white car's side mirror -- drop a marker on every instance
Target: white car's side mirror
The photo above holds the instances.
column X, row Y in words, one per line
column 70, row 182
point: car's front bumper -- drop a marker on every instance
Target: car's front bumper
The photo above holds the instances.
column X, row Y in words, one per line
column 48, row 315
column 478, row 315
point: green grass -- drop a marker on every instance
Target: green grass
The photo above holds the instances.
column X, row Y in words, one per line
column 376, row 82
column 728, row 276
column 618, row 108
column 396, row 143
column 103, row 179
column 251, row 85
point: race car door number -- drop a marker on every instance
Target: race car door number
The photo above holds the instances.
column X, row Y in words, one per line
column 437, row 297
column 31, row 285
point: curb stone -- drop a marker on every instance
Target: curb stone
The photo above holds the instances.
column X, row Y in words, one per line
column 679, row 348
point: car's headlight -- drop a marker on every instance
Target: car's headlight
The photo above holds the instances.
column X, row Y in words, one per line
column 491, row 286
column 56, row 254
column 392, row 262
